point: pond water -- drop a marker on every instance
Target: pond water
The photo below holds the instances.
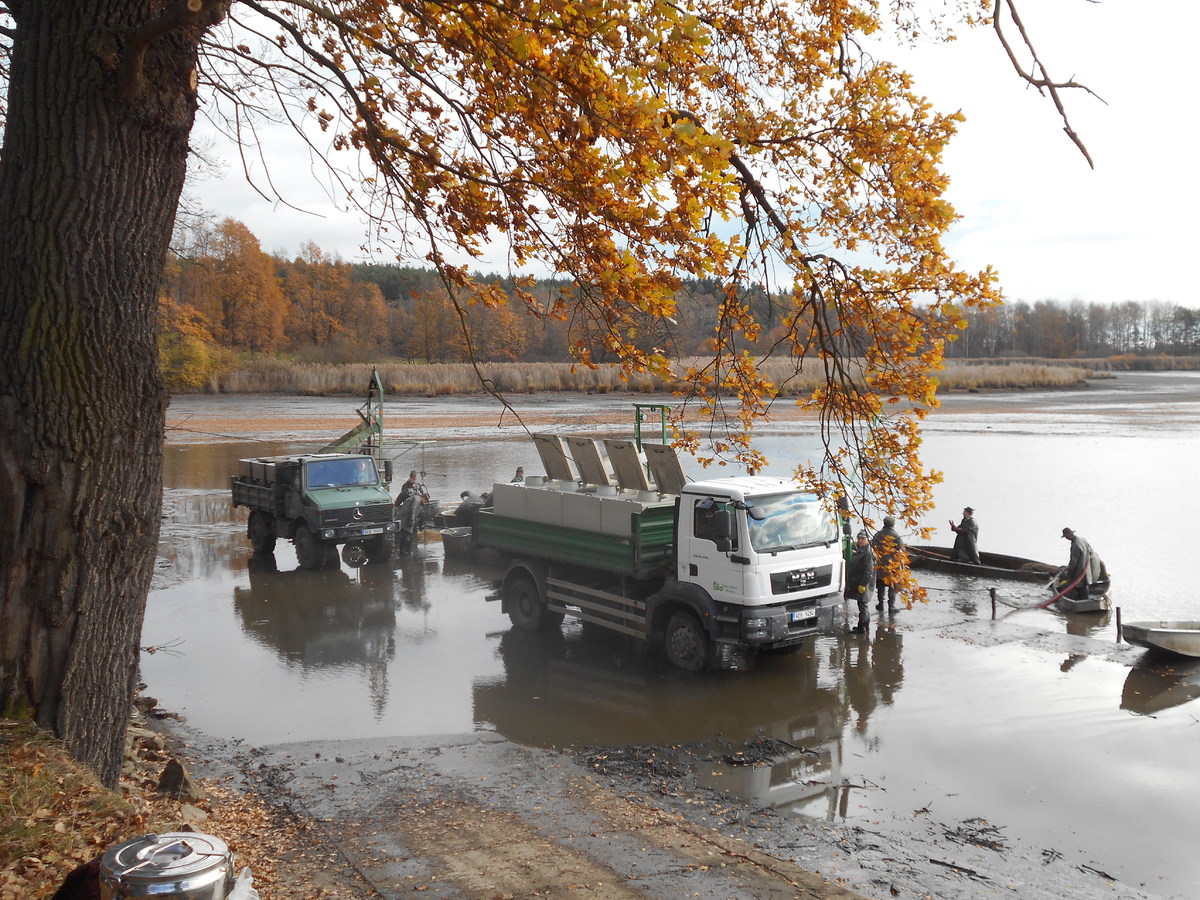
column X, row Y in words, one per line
column 1089, row 751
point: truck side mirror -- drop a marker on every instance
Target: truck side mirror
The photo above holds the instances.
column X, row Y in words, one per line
column 387, row 470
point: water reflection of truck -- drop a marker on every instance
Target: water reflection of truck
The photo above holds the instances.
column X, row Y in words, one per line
column 318, row 501
column 324, row 620
column 713, row 571
column 568, row 689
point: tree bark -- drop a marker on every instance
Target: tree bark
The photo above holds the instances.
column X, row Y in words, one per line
column 95, row 148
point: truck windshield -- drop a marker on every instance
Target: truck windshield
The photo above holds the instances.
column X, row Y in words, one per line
column 789, row 522
column 329, row 473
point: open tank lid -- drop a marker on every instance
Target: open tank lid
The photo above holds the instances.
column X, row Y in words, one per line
column 668, row 473
column 628, row 464
column 553, row 451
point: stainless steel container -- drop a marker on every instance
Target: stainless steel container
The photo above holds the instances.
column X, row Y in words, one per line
column 180, row 866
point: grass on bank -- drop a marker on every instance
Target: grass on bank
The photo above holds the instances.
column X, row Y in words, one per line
column 276, row 376
column 55, row 815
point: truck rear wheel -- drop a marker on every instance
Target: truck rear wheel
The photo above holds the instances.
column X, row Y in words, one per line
column 525, row 608
column 687, row 644
column 261, row 533
column 310, row 553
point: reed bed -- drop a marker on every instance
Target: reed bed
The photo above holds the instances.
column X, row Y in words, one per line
column 272, row 376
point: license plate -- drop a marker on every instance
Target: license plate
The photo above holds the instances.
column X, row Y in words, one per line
column 372, row 531
column 802, row 615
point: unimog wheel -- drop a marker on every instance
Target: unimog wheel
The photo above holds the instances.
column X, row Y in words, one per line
column 261, row 533
column 380, row 549
column 333, row 557
column 310, row 552
column 687, row 644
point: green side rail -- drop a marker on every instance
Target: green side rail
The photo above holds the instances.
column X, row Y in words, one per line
column 647, row 550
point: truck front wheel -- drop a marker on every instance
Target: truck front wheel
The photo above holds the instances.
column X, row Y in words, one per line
column 310, row 552
column 261, row 533
column 687, row 644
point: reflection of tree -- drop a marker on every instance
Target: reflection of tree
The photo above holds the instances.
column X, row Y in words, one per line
column 323, row 618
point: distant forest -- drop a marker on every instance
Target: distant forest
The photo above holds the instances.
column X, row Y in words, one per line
column 224, row 299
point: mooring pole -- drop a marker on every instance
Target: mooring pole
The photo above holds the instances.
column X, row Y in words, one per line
column 992, row 591
column 1120, row 636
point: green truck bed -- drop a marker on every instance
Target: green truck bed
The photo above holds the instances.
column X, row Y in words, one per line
column 646, row 550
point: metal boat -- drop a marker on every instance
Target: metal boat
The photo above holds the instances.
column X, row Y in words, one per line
column 1182, row 638
column 1097, row 600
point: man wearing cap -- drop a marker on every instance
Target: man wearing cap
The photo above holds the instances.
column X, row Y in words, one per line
column 966, row 537
column 410, row 487
column 887, row 546
column 860, row 575
column 1083, row 560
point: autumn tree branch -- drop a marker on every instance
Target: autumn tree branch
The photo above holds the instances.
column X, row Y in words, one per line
column 1037, row 74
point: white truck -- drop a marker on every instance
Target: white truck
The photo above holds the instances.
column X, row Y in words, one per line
column 713, row 571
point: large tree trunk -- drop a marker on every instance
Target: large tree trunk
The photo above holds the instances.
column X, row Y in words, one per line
column 95, row 149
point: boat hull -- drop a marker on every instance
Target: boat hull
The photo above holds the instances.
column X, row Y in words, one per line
column 992, row 565
column 1095, row 603
column 1182, row 638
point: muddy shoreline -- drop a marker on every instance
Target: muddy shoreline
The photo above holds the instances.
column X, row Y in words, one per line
column 477, row 816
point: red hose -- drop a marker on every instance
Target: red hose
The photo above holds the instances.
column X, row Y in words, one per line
column 1086, row 563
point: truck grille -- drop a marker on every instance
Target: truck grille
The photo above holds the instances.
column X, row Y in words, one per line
column 801, row 579
column 377, row 514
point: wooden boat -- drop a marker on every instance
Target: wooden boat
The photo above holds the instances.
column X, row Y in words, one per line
column 992, row 565
column 1182, row 638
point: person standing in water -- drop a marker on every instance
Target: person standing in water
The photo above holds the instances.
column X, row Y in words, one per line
column 887, row 545
column 860, row 576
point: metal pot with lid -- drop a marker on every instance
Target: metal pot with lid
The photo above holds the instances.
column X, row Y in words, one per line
column 179, row 865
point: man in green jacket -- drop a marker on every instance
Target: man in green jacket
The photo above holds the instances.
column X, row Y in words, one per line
column 860, row 578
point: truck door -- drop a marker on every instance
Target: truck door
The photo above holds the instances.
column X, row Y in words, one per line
column 703, row 561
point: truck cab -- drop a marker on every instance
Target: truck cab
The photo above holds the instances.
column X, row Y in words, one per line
column 319, row 501
column 767, row 553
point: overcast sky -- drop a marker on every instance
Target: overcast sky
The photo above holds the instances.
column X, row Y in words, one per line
column 1030, row 206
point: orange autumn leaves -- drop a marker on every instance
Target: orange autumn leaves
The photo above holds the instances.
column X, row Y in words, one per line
column 626, row 147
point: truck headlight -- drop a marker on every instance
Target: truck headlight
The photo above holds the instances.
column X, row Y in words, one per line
column 328, row 533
